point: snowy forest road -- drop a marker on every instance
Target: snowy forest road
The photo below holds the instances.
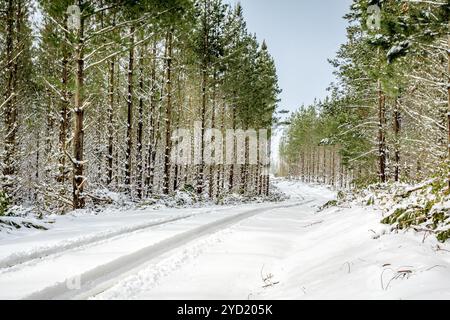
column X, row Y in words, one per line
column 81, row 256
column 287, row 250
column 103, row 277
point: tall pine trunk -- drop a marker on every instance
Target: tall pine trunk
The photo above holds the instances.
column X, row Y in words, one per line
column 397, row 142
column 180, row 98
column 129, row 138
column 78, row 134
column 10, row 114
column 221, row 167
column 204, row 85
column 381, row 133
column 201, row 166
column 448, row 97
column 232, row 165
column 140, row 127
column 213, row 124
column 64, row 115
column 168, row 115
column 151, row 156
column 111, row 107
column 269, row 154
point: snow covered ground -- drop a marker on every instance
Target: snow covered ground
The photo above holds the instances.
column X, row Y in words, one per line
column 288, row 250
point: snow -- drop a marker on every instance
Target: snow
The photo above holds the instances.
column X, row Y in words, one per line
column 328, row 255
column 80, row 244
column 288, row 250
column 397, row 50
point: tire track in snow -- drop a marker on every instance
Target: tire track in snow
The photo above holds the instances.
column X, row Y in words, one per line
column 18, row 258
column 104, row 277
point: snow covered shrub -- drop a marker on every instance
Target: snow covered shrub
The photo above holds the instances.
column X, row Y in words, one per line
column 4, row 203
column 404, row 218
column 276, row 195
column 341, row 195
column 329, row 204
column 188, row 188
column 425, row 207
column 230, row 199
column 184, row 198
column 443, row 236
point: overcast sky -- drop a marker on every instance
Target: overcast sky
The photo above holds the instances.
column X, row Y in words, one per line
column 301, row 35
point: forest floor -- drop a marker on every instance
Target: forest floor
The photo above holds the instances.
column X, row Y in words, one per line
column 286, row 250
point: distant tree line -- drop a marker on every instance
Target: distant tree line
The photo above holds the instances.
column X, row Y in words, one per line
column 388, row 115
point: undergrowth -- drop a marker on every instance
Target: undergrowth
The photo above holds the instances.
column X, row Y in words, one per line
column 423, row 207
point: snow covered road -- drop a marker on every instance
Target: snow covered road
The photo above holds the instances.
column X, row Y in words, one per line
column 102, row 278
column 287, row 250
column 64, row 253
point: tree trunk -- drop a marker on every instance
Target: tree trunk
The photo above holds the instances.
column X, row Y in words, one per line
column 10, row 117
column 333, row 167
column 448, row 97
column 64, row 115
column 78, row 134
column 180, row 98
column 244, row 168
column 201, row 169
column 48, row 150
column 204, row 73
column 397, row 142
column 111, row 107
column 129, row 140
column 231, row 180
column 168, row 116
column 324, row 165
column 269, row 153
column 38, row 160
column 221, row 168
column 140, row 127
column 152, row 123
column 213, row 124
column 381, row 133
column 111, row 127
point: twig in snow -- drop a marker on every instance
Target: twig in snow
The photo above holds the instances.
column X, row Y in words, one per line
column 312, row 224
column 267, row 279
column 399, row 274
column 438, row 248
column 436, row 266
column 381, row 277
